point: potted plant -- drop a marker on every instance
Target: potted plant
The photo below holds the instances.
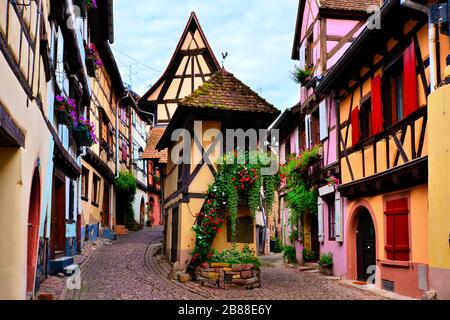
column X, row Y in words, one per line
column 84, row 133
column 92, row 63
column 156, row 178
column 326, row 264
column 301, row 76
column 308, row 255
column 65, row 110
column 290, row 254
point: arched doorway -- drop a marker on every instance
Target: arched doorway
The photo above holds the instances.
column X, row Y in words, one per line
column 33, row 230
column 142, row 213
column 365, row 244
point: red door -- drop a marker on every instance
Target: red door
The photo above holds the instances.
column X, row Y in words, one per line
column 33, row 230
column 58, row 231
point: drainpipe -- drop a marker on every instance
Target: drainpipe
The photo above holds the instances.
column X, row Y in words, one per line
column 432, row 39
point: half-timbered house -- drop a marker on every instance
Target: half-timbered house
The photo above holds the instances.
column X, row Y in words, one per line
column 381, row 85
column 26, row 146
column 221, row 103
column 99, row 167
column 192, row 63
column 324, row 31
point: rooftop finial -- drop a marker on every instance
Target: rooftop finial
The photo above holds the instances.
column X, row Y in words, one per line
column 224, row 56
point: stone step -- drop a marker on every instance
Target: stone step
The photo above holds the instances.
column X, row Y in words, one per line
column 121, row 230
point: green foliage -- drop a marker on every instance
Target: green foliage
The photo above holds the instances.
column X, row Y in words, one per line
column 302, row 192
column 326, row 261
column 126, row 187
column 278, row 248
column 290, row 253
column 235, row 256
column 234, row 180
column 270, row 185
column 301, row 75
column 308, row 255
column 294, row 235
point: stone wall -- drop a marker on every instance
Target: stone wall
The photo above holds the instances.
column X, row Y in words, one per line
column 227, row 276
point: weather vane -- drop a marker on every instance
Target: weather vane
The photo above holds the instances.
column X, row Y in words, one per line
column 224, row 56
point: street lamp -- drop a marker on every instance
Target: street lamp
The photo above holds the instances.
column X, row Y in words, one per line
column 141, row 155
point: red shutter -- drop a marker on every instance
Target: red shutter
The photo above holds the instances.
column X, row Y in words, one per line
column 355, row 125
column 124, row 151
column 409, row 80
column 377, row 108
column 397, row 230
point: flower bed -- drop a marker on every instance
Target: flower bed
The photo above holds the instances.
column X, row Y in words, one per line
column 228, row 276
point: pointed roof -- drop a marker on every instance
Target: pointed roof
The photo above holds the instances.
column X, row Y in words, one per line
column 193, row 23
column 353, row 9
column 222, row 93
column 150, row 152
column 225, row 92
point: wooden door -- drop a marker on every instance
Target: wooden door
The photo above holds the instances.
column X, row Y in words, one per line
column 58, row 232
column 175, row 226
column 366, row 250
column 307, row 231
column 105, row 205
column 33, row 231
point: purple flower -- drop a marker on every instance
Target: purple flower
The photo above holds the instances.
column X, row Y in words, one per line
column 60, row 98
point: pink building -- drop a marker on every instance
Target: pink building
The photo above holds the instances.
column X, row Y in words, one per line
column 323, row 33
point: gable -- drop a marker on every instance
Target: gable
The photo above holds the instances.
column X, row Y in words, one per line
column 192, row 63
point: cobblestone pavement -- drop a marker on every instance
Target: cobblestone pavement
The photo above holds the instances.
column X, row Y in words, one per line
column 130, row 269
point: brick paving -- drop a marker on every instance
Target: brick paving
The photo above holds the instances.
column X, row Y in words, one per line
column 131, row 269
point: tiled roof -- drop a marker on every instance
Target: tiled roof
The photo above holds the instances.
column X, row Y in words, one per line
column 225, row 92
column 150, row 150
column 350, row 5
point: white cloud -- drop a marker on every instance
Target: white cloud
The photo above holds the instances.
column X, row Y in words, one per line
column 257, row 34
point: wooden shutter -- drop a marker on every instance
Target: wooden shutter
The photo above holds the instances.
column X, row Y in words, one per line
column 377, row 108
column 302, row 55
column 308, row 131
column 320, row 219
column 338, row 219
column 124, row 151
column 409, row 80
column 355, row 125
column 323, row 120
column 397, row 230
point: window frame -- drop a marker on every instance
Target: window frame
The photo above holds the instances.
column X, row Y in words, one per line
column 85, row 175
column 365, row 118
column 331, row 208
column 96, row 183
column 392, row 81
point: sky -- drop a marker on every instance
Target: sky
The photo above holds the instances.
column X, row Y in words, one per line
column 257, row 34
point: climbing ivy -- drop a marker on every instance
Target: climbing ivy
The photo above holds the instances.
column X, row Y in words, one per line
column 235, row 181
column 126, row 187
column 302, row 191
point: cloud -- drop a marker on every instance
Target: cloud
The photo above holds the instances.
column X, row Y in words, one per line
column 257, row 34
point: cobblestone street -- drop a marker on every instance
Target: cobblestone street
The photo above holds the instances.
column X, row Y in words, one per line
column 129, row 269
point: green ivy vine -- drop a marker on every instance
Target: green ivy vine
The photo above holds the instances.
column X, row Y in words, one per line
column 302, row 191
column 236, row 181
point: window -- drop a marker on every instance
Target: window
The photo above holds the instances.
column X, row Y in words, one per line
column 365, row 119
column 95, row 190
column 397, row 230
column 288, row 148
column 393, row 94
column 84, row 184
column 331, row 220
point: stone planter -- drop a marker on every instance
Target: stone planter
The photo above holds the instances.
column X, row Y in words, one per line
column 228, row 277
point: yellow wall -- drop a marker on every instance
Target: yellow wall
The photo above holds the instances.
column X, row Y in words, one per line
column 418, row 219
column 17, row 165
column 439, row 177
column 90, row 214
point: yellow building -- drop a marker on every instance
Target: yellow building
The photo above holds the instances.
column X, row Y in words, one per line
column 382, row 84
column 220, row 104
column 100, row 165
column 439, row 194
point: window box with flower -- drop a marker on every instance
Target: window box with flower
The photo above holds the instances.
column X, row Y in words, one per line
column 65, row 109
column 92, row 63
column 84, row 133
column 301, row 76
